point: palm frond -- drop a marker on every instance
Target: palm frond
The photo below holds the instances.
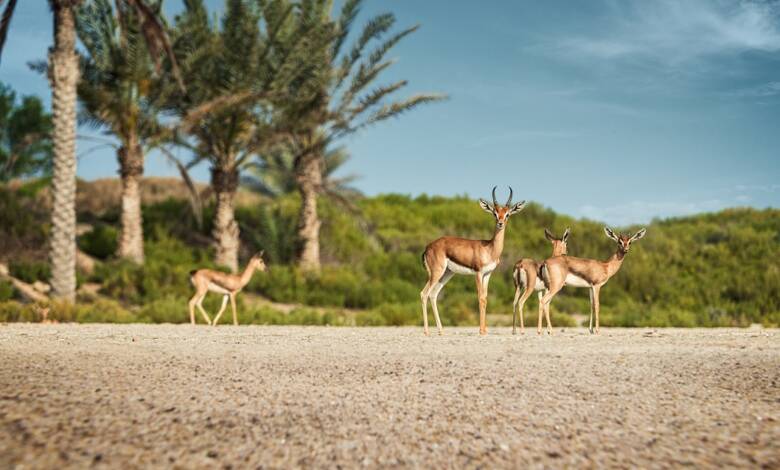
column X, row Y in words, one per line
column 374, row 29
column 349, row 12
column 156, row 37
column 5, row 23
column 394, row 110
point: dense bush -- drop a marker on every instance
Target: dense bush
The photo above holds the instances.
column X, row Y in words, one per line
column 101, row 242
column 6, row 291
column 706, row 270
column 29, row 270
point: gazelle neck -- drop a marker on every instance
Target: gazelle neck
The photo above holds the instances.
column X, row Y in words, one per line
column 498, row 241
column 615, row 262
column 246, row 276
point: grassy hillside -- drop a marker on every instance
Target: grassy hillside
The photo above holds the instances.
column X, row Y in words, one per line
column 707, row 270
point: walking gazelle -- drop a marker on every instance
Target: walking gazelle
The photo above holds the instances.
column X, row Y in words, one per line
column 448, row 256
column 561, row 271
column 208, row 280
column 526, row 275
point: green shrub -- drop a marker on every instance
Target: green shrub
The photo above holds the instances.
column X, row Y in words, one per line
column 7, row 291
column 370, row 318
column 167, row 310
column 12, row 311
column 101, row 311
column 101, row 242
column 400, row 314
column 30, row 271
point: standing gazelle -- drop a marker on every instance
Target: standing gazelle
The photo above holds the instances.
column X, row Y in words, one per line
column 578, row 272
column 526, row 275
column 450, row 255
column 229, row 285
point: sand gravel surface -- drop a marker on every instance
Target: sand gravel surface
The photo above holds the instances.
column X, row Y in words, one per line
column 175, row 396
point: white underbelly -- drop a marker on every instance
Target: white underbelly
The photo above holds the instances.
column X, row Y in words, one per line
column 539, row 284
column 576, row 281
column 458, row 268
column 218, row 289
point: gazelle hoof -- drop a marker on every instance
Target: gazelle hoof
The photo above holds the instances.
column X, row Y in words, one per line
column 427, row 333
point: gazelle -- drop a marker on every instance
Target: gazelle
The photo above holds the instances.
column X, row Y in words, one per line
column 578, row 272
column 229, row 285
column 526, row 275
column 450, row 255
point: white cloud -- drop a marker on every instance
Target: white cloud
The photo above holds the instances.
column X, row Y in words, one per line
column 522, row 135
column 673, row 31
column 761, row 188
column 640, row 212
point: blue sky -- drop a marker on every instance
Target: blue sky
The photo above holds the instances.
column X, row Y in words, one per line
column 619, row 111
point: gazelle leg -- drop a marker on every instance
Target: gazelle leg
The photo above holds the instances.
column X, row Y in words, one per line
column 202, row 311
column 526, row 294
column 596, row 305
column 221, row 309
column 544, row 305
column 541, row 312
column 192, row 303
column 434, row 295
column 433, row 277
column 424, row 302
column 482, row 296
column 547, row 316
column 233, row 307
column 485, row 284
column 514, row 310
column 590, row 322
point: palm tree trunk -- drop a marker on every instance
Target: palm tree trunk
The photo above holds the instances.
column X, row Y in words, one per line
column 63, row 76
column 131, row 169
column 225, row 233
column 309, row 178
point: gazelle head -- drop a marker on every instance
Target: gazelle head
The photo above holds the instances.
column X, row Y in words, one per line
column 624, row 241
column 257, row 261
column 560, row 245
column 501, row 213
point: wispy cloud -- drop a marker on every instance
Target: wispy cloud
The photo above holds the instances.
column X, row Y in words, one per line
column 673, row 31
column 762, row 188
column 640, row 212
column 522, row 135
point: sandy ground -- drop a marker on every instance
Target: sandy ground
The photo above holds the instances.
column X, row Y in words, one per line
column 242, row 397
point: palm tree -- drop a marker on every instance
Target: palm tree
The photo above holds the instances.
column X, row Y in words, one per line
column 63, row 71
column 25, row 130
column 63, row 76
column 273, row 174
column 342, row 105
column 117, row 93
column 255, row 53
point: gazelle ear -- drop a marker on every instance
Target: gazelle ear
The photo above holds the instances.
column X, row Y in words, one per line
column 566, row 235
column 611, row 234
column 485, row 206
column 548, row 235
column 639, row 235
column 517, row 208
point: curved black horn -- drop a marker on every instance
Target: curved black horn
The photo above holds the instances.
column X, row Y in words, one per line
column 509, row 201
column 495, row 203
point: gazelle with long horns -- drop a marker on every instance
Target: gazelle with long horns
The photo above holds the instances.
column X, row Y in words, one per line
column 526, row 275
column 448, row 256
column 208, row 280
column 563, row 271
